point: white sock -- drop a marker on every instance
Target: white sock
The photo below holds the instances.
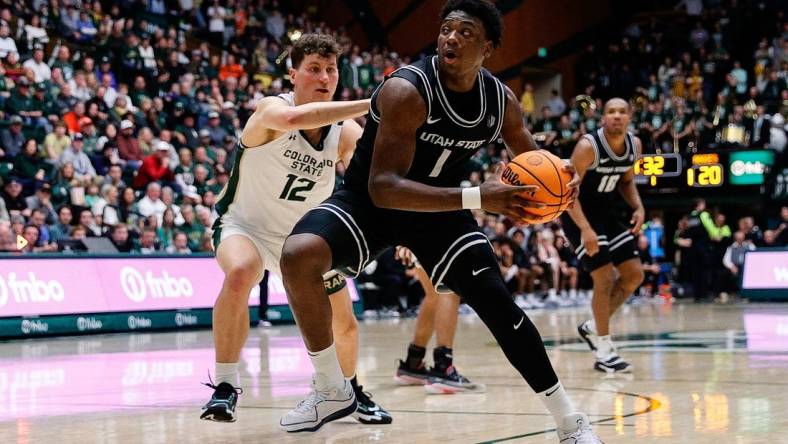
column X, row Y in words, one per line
column 227, row 372
column 327, row 369
column 592, row 326
column 557, row 402
column 551, row 292
column 573, row 293
column 604, row 346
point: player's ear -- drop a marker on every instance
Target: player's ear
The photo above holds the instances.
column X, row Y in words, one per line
column 292, row 72
column 488, row 49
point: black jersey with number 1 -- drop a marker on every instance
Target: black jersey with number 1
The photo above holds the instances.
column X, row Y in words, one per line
column 457, row 125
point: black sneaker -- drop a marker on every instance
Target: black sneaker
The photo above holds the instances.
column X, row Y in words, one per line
column 367, row 411
column 221, row 407
column 409, row 376
column 587, row 335
column 450, row 381
column 612, row 364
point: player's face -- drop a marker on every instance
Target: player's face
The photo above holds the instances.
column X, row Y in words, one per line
column 316, row 78
column 616, row 117
column 462, row 43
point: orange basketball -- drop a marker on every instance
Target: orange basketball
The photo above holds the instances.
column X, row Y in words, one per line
column 545, row 170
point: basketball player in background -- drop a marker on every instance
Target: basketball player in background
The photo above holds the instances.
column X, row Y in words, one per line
column 285, row 165
column 607, row 248
column 402, row 188
column 437, row 314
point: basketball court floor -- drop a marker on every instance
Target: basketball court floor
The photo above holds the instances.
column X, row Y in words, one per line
column 703, row 374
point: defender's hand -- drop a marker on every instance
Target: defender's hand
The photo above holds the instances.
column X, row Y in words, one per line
column 574, row 184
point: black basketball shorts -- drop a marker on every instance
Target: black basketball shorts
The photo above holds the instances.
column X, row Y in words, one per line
column 357, row 231
column 616, row 243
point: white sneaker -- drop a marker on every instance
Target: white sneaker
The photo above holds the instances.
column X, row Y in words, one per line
column 320, row 407
column 534, row 301
column 522, row 302
column 576, row 429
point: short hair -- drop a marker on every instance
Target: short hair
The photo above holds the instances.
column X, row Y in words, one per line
column 483, row 10
column 321, row 44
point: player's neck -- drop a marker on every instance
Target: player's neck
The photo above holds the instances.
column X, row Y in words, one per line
column 457, row 81
column 616, row 142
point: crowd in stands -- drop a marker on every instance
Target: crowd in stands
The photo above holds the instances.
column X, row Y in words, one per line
column 121, row 119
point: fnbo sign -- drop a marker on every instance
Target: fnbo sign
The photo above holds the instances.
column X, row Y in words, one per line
column 750, row 167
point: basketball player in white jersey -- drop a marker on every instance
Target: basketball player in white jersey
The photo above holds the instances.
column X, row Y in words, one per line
column 285, row 165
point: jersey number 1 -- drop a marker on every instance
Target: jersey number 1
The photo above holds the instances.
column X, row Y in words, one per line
column 291, row 193
column 608, row 183
column 439, row 164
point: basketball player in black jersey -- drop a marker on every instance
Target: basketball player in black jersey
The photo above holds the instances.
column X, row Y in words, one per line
column 607, row 248
column 401, row 188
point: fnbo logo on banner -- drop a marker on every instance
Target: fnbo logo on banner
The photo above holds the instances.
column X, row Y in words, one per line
column 137, row 287
column 30, row 290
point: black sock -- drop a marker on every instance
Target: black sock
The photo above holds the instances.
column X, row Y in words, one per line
column 443, row 358
column 415, row 356
column 354, row 383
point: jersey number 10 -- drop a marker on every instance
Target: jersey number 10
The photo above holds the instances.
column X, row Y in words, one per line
column 291, row 193
column 608, row 183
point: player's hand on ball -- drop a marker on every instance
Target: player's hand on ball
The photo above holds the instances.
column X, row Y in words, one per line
column 590, row 241
column 574, row 185
column 501, row 198
column 638, row 216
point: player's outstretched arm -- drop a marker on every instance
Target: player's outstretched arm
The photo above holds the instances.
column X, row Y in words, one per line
column 273, row 113
column 402, row 112
column 582, row 158
column 629, row 191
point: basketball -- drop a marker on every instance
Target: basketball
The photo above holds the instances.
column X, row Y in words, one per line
column 545, row 170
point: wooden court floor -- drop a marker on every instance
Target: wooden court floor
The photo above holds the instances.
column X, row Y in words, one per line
column 703, row 374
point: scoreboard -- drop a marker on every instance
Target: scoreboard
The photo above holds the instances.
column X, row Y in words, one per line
column 729, row 172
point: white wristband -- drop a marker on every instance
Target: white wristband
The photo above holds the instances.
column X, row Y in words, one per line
column 472, row 198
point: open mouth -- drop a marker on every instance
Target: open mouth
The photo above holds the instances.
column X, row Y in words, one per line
column 322, row 90
column 450, row 56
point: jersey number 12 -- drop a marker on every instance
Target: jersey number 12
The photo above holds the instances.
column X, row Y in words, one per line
column 291, row 193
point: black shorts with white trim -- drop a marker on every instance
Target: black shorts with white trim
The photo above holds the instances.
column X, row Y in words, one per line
column 357, row 231
column 616, row 243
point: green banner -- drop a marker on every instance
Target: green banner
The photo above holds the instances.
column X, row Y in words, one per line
column 749, row 167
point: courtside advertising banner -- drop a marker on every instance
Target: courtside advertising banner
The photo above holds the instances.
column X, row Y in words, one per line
column 36, row 287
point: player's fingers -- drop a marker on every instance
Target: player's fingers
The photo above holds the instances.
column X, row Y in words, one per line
column 518, row 189
column 525, row 203
column 498, row 171
column 568, row 167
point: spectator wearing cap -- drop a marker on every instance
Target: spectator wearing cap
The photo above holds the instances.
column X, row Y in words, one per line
column 41, row 71
column 29, row 165
column 7, row 44
column 128, row 145
column 217, row 132
column 21, row 100
column 205, row 138
column 62, row 228
column 90, row 135
column 44, row 102
column 83, row 168
column 14, row 200
column 12, row 139
column 155, row 167
column 185, row 133
column 104, row 71
column 56, row 142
